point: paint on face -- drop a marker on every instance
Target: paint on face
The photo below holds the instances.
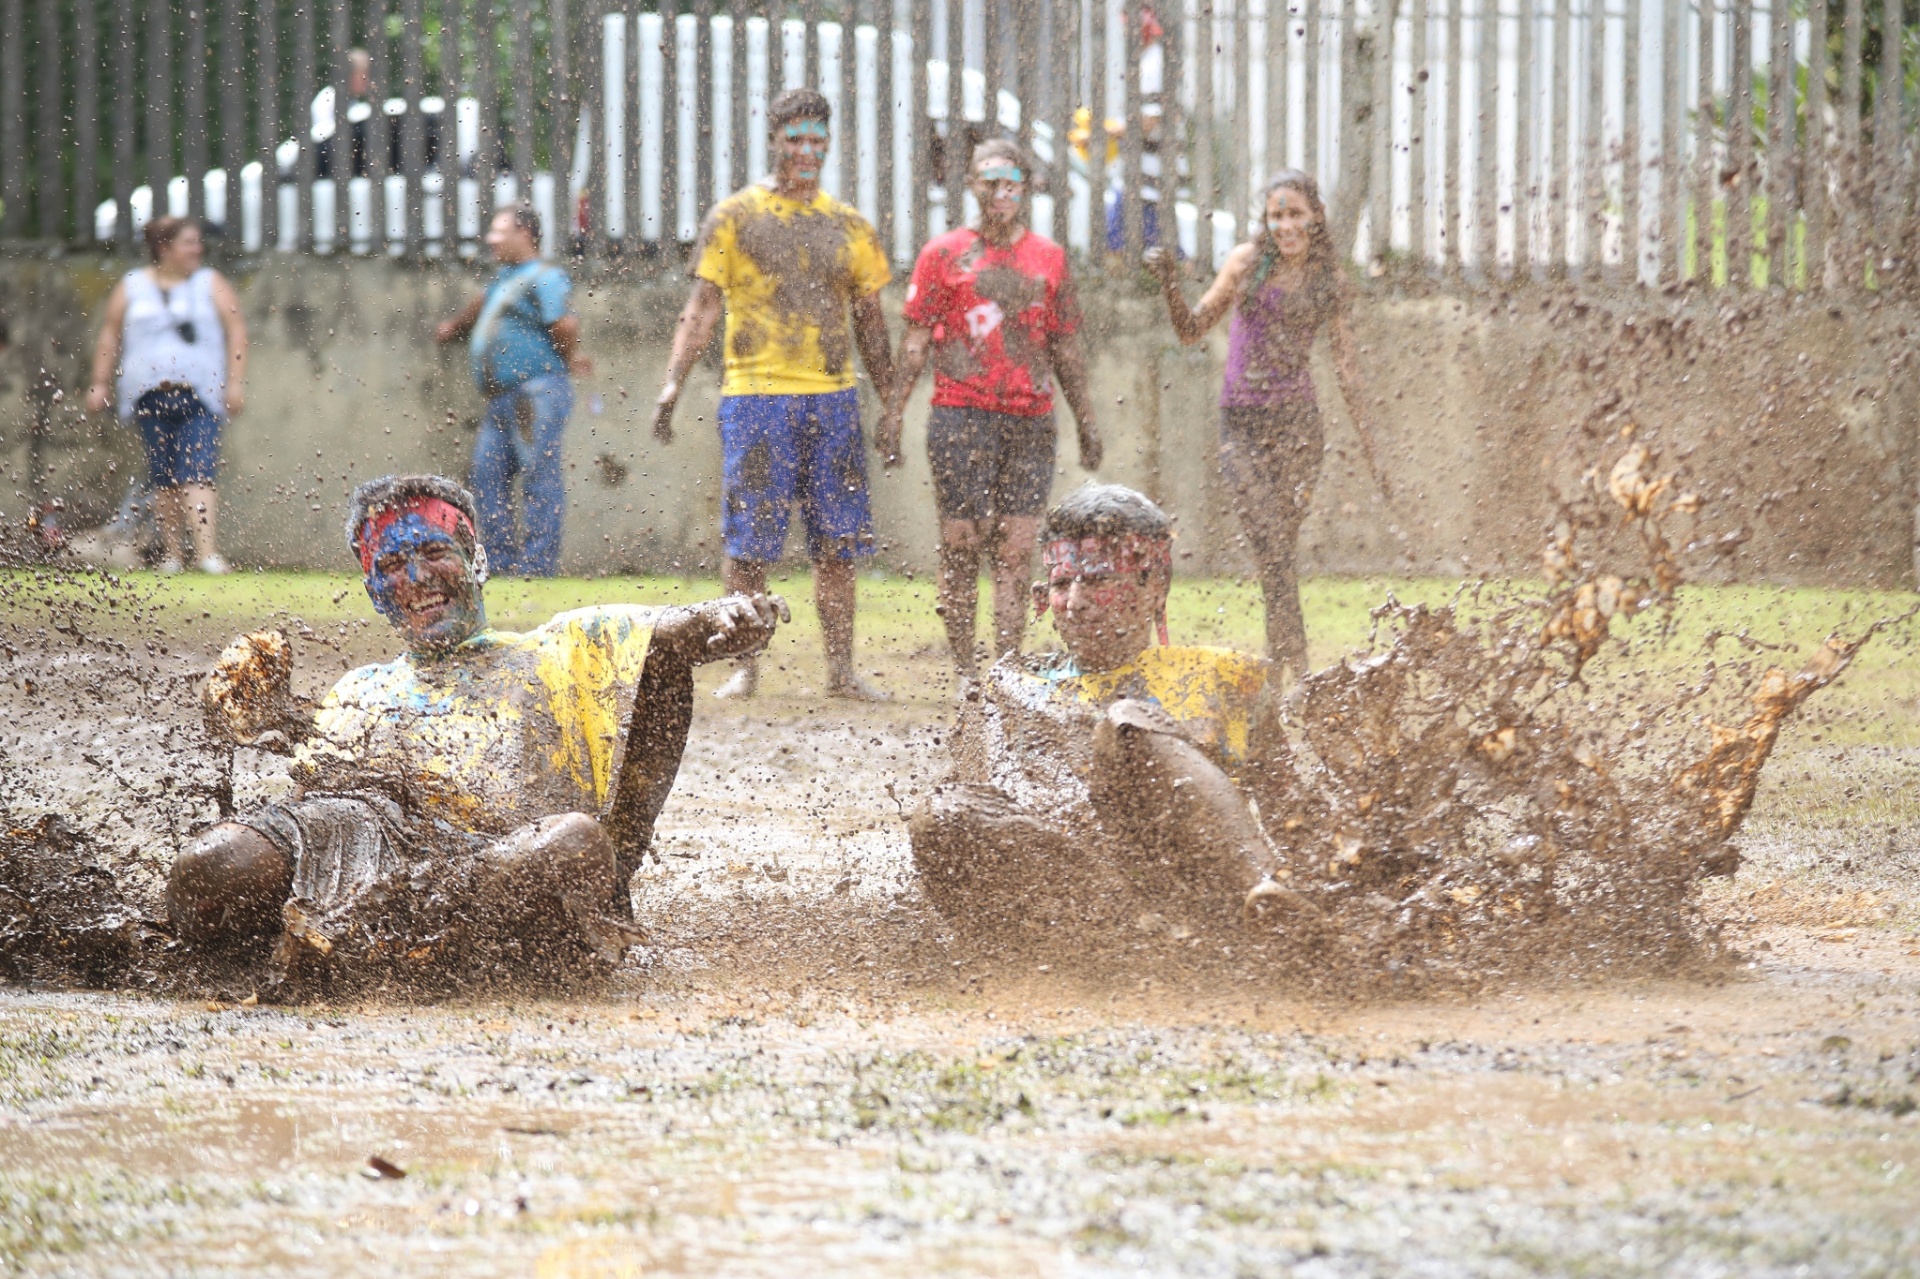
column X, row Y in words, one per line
column 1290, row 222
column 803, row 149
column 1106, row 595
column 424, row 582
column 1000, row 187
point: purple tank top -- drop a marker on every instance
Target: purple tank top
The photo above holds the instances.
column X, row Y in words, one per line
column 1268, row 341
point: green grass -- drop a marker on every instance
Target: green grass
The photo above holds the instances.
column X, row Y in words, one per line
column 901, row 640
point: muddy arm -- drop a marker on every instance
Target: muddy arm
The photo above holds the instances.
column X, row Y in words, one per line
column 1069, row 358
column 915, row 345
column 876, row 351
column 698, row 319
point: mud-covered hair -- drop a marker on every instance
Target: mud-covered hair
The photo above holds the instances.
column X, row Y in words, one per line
column 1002, row 149
column 1107, row 510
column 798, row 104
column 375, row 496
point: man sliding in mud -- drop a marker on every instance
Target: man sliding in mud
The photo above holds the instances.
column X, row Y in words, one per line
column 1115, row 774
column 485, row 794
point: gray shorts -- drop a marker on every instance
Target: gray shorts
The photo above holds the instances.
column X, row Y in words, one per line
column 988, row 464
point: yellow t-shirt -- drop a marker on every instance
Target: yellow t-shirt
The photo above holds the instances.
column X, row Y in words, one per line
column 506, row 729
column 789, row 272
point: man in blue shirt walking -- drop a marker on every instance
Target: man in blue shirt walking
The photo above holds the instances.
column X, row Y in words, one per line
column 523, row 341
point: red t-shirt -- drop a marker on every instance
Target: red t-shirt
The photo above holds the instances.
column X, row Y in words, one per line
column 992, row 311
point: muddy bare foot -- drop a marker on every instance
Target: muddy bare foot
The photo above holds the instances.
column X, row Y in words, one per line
column 852, row 688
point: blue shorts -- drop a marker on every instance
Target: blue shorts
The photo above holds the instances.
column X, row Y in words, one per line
column 182, row 436
column 779, row 449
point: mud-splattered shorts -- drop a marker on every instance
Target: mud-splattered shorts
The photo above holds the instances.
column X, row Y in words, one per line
column 988, row 464
column 779, row 449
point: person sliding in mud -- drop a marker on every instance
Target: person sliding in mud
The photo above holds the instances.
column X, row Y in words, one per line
column 1283, row 286
column 1108, row 780
column 787, row 262
column 486, row 793
column 996, row 304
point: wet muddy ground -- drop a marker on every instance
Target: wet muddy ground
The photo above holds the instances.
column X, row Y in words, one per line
column 805, row 1070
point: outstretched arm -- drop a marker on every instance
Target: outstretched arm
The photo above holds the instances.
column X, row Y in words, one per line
column 731, row 626
column 1190, row 325
column 915, row 345
column 462, row 322
column 1346, row 365
column 876, row 349
column 1069, row 359
column 106, row 352
column 690, row 337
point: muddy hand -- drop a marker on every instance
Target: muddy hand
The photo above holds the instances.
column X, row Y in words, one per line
column 1161, row 261
column 663, row 412
column 742, row 624
column 886, row 441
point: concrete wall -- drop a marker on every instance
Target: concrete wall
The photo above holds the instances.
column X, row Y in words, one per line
column 1794, row 419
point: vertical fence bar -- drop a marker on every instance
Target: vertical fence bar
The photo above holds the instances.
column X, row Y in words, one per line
column 759, row 77
column 1526, row 98
column 159, row 131
column 1315, row 22
column 564, row 121
column 1270, row 57
column 380, row 74
column 1486, row 138
column 13, row 119
column 413, row 125
column 50, row 122
column 1706, row 166
column 720, row 181
column 193, row 106
column 743, row 125
column 667, row 76
column 992, row 67
column 1206, row 193
column 447, row 153
column 125, row 123
column 1593, row 170
column 613, row 125
column 1453, row 115
column 338, row 41
column 234, row 74
column 883, row 145
column 649, row 40
column 953, row 171
column 267, row 135
column 704, row 105
column 1560, row 140
column 1740, row 148
column 1673, row 185
column 1133, row 211
column 1886, row 130
column 1780, row 113
column 306, row 164
column 1380, row 171
column 686, row 129
column 832, row 87
column 1815, row 163
column 86, row 118
column 908, row 176
column 1633, row 164
column 520, row 82
column 486, row 76
column 866, row 130
column 1247, row 105
column 1173, row 126
column 919, row 120
column 1848, row 167
column 1420, row 102
column 793, row 55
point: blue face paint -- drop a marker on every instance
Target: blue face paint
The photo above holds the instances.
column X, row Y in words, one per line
column 418, row 555
column 806, row 129
column 1002, row 173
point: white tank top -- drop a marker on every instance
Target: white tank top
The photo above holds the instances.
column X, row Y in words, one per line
column 154, row 350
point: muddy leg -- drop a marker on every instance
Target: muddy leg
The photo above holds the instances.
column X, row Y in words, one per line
column 987, row 865
column 1271, row 460
column 960, row 589
column 229, row 886
column 743, row 577
column 1012, row 581
column 1192, row 835
column 551, row 878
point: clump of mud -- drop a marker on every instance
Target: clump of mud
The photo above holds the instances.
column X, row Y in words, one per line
column 1498, row 788
column 62, row 915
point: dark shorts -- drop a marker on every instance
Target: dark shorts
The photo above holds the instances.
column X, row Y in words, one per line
column 988, row 464
column 181, row 434
column 781, row 449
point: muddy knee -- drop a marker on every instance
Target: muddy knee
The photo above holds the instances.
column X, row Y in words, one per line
column 229, row 885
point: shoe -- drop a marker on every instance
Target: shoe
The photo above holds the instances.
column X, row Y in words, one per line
column 854, row 689
column 744, row 684
column 215, row 565
column 170, row 566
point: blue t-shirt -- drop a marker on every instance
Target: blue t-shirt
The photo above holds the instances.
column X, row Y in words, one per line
column 510, row 343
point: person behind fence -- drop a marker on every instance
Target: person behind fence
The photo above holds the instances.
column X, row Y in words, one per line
column 798, row 275
column 1113, row 778
column 1283, row 286
column 484, row 798
column 175, row 331
column 995, row 306
column 523, row 341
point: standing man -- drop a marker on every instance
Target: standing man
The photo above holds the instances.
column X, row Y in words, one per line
column 523, row 341
column 788, row 264
column 995, row 305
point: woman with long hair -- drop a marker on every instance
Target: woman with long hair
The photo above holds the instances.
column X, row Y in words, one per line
column 175, row 334
column 1283, row 286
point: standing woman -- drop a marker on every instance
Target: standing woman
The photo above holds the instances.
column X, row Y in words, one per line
column 1283, row 286
column 175, row 331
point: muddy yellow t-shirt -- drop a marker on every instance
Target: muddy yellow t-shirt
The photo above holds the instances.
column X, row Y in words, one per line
column 789, row 271
column 506, row 729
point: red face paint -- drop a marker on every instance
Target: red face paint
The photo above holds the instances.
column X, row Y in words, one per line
column 433, row 511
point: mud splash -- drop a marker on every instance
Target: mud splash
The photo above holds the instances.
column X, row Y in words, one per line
column 1495, row 789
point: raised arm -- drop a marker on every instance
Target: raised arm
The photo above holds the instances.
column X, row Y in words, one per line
column 915, row 345
column 1353, row 388
column 1190, row 325
column 876, row 348
column 234, row 324
column 106, row 352
column 698, row 319
column 1069, row 359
